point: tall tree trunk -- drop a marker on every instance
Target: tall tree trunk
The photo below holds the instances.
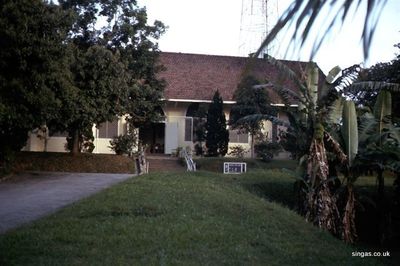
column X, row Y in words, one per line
column 349, row 233
column 321, row 204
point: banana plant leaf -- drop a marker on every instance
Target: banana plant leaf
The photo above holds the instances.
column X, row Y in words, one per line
column 350, row 130
column 336, row 111
column 383, row 109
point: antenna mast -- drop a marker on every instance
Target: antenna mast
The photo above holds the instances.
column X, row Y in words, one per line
column 257, row 19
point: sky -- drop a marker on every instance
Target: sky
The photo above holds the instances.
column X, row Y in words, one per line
column 214, row 27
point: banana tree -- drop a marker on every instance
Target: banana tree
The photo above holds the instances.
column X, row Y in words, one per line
column 329, row 116
column 385, row 148
column 379, row 137
column 380, row 149
column 316, row 109
column 349, row 133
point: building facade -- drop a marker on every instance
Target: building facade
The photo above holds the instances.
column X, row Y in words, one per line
column 192, row 80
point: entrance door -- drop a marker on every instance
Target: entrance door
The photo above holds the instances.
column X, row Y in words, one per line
column 153, row 136
column 171, row 137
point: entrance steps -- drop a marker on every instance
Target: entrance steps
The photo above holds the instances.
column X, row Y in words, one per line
column 164, row 163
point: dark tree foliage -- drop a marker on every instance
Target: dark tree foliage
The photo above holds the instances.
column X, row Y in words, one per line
column 250, row 101
column 113, row 67
column 97, row 93
column 60, row 67
column 297, row 138
column 199, row 113
column 387, row 72
column 217, row 137
column 31, row 36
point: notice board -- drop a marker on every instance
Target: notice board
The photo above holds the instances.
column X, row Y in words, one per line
column 234, row 167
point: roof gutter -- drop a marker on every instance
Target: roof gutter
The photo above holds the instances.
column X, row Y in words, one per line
column 196, row 101
column 225, row 102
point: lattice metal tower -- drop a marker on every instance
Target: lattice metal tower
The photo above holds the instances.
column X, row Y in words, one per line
column 257, row 19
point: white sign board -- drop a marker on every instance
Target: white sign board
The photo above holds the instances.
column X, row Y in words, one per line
column 234, row 167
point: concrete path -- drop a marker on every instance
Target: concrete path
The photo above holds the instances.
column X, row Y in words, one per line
column 30, row 196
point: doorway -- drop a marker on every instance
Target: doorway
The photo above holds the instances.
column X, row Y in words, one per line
column 152, row 137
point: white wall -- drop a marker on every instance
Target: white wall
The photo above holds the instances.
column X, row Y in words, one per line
column 175, row 112
column 57, row 144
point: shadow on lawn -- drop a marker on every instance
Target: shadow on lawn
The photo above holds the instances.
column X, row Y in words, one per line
column 280, row 188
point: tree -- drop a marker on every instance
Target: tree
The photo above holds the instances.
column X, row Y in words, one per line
column 332, row 122
column 97, row 94
column 31, row 36
column 113, row 67
column 379, row 152
column 217, row 137
column 383, row 72
column 296, row 138
column 199, row 126
column 305, row 13
column 250, row 101
column 317, row 115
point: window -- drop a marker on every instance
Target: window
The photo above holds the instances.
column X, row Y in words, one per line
column 235, row 136
column 108, row 130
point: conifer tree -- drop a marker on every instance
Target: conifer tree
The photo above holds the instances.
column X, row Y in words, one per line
column 217, row 136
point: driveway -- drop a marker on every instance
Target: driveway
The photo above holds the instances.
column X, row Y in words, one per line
column 30, row 196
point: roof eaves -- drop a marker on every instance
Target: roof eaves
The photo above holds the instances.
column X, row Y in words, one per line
column 196, row 101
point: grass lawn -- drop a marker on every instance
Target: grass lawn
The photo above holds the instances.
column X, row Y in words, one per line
column 214, row 164
column 177, row 219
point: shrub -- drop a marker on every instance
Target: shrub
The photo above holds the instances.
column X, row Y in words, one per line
column 267, row 150
column 199, row 149
column 238, row 151
column 123, row 144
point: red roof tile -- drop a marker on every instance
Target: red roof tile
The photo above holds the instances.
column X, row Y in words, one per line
column 197, row 76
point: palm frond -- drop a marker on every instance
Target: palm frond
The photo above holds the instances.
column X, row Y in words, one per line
column 287, row 73
column 383, row 109
column 305, row 14
column 348, row 77
column 394, row 133
column 367, row 127
column 335, row 111
column 383, row 105
column 330, row 93
column 286, row 18
column 372, row 86
column 394, row 166
column 286, row 95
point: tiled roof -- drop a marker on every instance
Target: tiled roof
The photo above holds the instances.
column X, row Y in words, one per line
column 197, row 76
